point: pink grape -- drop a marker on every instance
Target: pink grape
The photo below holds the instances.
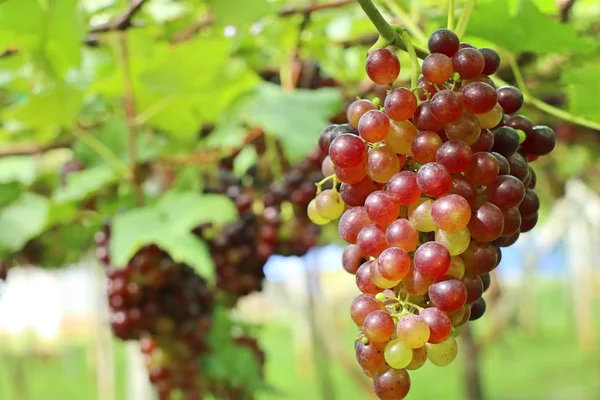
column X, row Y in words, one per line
column 448, row 295
column 440, row 325
column 468, row 62
column 401, row 233
column 378, row 326
column 381, row 209
column 451, row 212
column 356, row 194
column 363, row 279
column 415, row 283
column 425, row 145
column 487, row 222
column 484, row 168
column 370, row 358
column 351, row 174
column 352, row 259
column 357, row 110
column 462, row 187
column 432, row 260
column 446, row 106
column 437, row 68
column 374, row 126
column 424, row 119
column 347, row 150
column 434, row 179
column 479, row 97
column 400, row 104
column 352, row 222
column 382, row 66
column 363, row 305
column 455, row 155
column 403, row 188
column 393, row 263
column 371, row 240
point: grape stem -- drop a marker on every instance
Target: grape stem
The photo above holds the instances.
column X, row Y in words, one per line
column 463, row 22
column 406, row 21
column 325, row 180
column 451, row 14
column 414, row 60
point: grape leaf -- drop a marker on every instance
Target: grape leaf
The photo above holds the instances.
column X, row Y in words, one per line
column 63, row 36
column 527, row 29
column 21, row 24
column 582, row 84
column 22, row 220
column 81, row 184
column 9, row 192
column 22, row 169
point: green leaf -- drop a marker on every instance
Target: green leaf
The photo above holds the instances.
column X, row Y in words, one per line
column 22, row 169
column 9, row 192
column 81, row 184
column 240, row 13
column 296, row 118
column 65, row 32
column 21, row 221
column 21, row 23
column 525, row 30
column 583, row 84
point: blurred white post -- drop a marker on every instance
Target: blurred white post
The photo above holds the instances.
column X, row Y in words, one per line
column 138, row 384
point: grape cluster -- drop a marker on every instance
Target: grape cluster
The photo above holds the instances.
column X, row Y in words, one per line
column 433, row 182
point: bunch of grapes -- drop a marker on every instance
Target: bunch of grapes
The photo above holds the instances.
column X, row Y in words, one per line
column 433, row 182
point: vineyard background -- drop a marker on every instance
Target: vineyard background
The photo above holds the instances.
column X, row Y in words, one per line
column 104, row 103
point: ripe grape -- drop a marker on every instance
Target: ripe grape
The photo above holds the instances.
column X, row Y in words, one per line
column 529, row 222
column 313, row 214
column 479, row 97
column 382, row 163
column 349, row 175
column 512, row 222
column 510, row 99
column 518, row 167
column 397, row 355
column 477, row 309
column 456, row 242
column 485, row 142
column 363, row 279
column 506, row 141
column 468, row 62
column 491, row 118
column 503, row 165
column 487, row 222
column 425, row 146
column 371, row 240
column 428, row 90
column 444, row 353
column 347, row 151
column 532, row 178
column 432, row 260
column 457, row 268
column 451, row 212
column 419, row 215
column 492, row 60
column 356, row 194
column 415, row 283
column 393, row 263
column 402, row 234
column 474, row 286
column 381, row 209
column 484, row 168
column 379, row 280
column 448, row 295
column 419, row 358
column 382, row 66
column 400, row 104
column 327, row 167
column 363, row 305
column 401, row 136
column 530, row 204
column 480, row 258
column 455, row 155
column 357, row 109
column 370, row 358
column 443, row 41
column 462, row 187
column 437, row 68
column 392, row 384
column 540, row 141
column 439, row 324
column 329, row 204
column 505, row 191
column 352, row 258
column 412, row 331
column 424, row 119
column 403, row 188
column 434, row 179
column 446, row 106
column 520, row 122
column 352, row 222
column 374, row 126
column 378, row 326
column 466, row 128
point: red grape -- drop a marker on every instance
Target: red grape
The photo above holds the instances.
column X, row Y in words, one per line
column 403, row 188
column 352, row 222
column 356, row 194
column 468, row 62
column 483, row 170
column 425, row 146
column 506, row 192
column 487, row 222
column 352, row 259
column 440, row 325
column 371, row 240
column 443, row 41
column 347, row 151
column 492, row 60
column 357, row 109
column 455, row 155
column 374, row 126
column 446, row 106
column 383, row 66
column 437, row 68
column 400, row 104
column 393, row 263
column 378, row 326
column 433, row 179
column 424, row 119
column 510, row 99
column 363, row 305
column 381, row 209
column 448, row 295
column 401, row 233
column 479, row 97
column 432, row 260
column 392, row 384
column 451, row 212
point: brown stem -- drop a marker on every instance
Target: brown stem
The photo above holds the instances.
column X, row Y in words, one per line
column 288, row 11
column 31, row 150
column 129, row 108
column 122, row 21
column 565, row 7
column 472, row 365
column 193, row 30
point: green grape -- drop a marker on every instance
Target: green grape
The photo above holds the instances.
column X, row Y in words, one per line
column 401, row 136
column 457, row 267
column 397, row 355
column 444, row 353
column 313, row 215
column 456, row 242
column 379, row 280
column 491, row 118
column 419, row 214
column 412, row 331
column 329, row 204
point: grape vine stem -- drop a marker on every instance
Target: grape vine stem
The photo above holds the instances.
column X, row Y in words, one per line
column 463, row 22
column 451, row 14
column 405, row 19
column 414, row 60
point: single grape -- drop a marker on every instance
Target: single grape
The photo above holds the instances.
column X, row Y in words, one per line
column 363, row 305
column 456, row 242
column 462, row 187
column 506, row 192
column 506, row 141
column 357, row 109
column 457, row 268
column 419, row 215
column 356, row 194
column 352, row 258
column 374, row 126
column 485, row 142
column 371, row 240
column 326, row 138
column 531, row 182
column 432, row 260
column 487, row 222
column 492, row 60
column 382, row 163
column 468, row 62
column 466, row 128
column 397, row 355
column 477, row 309
column 400, row 104
column 455, row 155
column 364, row 283
column 446, row 106
column 529, row 222
column 443, row 41
column 403, row 188
column 440, row 325
column 512, row 222
column 451, row 212
column 327, row 167
column 425, row 146
column 401, row 136
column 381, row 209
column 486, row 281
column 424, row 119
column 378, row 326
column 510, row 99
column 480, row 258
column 370, row 358
column 483, row 170
column 412, row 331
column 474, row 286
column 448, row 295
column 382, row 66
column 518, row 167
column 401, row 233
column 347, row 151
column 478, row 97
column 520, row 122
column 379, row 280
column 393, row 263
column 491, row 118
column 444, row 353
column 437, row 68
column 352, row 222
column 392, row 384
column 349, row 175
column 434, row 179
column 530, row 204
column 503, row 165
column 428, row 90
column 540, row 141
column 457, row 316
column 419, row 358
column 313, row 214
column 329, row 204
column 415, row 283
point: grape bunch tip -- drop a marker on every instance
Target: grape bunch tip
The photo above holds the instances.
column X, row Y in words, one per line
column 427, row 188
